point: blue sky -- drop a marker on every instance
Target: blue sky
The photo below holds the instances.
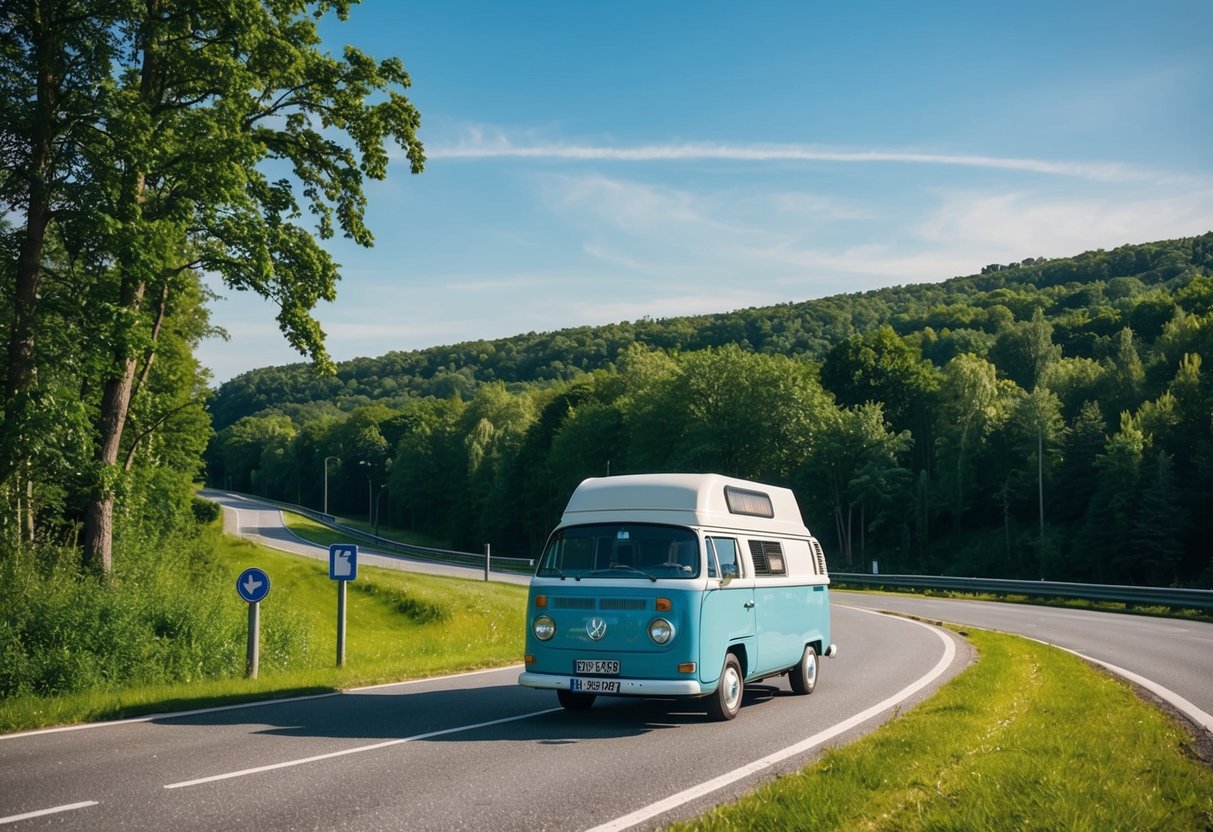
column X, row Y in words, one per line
column 591, row 163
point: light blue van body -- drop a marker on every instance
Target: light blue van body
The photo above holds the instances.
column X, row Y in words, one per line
column 650, row 583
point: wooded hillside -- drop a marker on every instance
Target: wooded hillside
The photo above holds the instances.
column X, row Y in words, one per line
column 1043, row 419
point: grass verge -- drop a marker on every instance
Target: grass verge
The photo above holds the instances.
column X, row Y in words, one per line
column 314, row 532
column 1028, row 738
column 399, row 626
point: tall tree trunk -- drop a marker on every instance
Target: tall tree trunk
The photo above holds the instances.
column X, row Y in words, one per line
column 14, row 462
column 19, row 374
column 115, row 405
column 25, row 305
column 99, row 513
column 116, row 393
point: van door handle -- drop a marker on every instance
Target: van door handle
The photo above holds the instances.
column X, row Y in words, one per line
column 749, row 605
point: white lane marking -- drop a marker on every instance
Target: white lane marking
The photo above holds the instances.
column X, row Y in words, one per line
column 360, row 749
column 695, row 792
column 258, row 704
column 52, row 811
column 1201, row 718
column 1188, row 708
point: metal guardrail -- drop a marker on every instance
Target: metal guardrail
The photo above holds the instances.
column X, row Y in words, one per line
column 498, row 563
column 1188, row 599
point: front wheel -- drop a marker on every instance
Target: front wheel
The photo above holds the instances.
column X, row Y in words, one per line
column 571, row 701
column 803, row 677
column 726, row 701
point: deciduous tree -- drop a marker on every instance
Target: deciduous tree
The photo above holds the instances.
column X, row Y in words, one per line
column 219, row 124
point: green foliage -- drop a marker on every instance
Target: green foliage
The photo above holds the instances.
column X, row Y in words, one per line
column 940, row 421
column 148, row 160
column 166, row 615
column 171, row 634
column 205, row 512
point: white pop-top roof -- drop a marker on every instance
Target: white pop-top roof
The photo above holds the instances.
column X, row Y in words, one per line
column 684, row 499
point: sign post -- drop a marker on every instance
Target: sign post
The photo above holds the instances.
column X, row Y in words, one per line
column 343, row 567
column 252, row 586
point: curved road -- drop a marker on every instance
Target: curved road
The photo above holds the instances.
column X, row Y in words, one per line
column 477, row 751
column 473, row 751
column 1171, row 657
column 247, row 517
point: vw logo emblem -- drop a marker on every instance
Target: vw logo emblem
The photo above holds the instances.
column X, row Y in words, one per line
column 596, row 627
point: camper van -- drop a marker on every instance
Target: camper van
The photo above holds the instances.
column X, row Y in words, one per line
column 677, row 585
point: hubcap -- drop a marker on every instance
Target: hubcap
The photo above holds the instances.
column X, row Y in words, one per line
column 732, row 690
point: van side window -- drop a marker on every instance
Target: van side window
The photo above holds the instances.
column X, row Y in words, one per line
column 723, row 551
column 768, row 557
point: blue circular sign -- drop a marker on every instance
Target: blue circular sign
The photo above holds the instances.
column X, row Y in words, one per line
column 253, row 585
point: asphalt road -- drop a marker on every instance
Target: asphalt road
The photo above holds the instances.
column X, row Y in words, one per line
column 474, row 751
column 477, row 751
column 1171, row 657
column 248, row 517
column 467, row 752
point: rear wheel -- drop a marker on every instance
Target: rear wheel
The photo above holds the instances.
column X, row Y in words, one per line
column 803, row 677
column 726, row 701
column 571, row 701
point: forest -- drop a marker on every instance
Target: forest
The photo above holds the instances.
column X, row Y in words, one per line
column 1047, row 419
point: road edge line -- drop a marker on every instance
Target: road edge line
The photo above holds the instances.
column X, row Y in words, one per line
column 717, row 783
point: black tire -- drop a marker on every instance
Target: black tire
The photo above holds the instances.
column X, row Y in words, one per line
column 724, row 704
column 571, row 701
column 803, row 677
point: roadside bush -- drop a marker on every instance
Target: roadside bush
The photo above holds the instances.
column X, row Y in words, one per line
column 168, row 614
column 205, row 512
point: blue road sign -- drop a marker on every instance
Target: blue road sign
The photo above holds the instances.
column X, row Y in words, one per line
column 343, row 561
column 253, row 585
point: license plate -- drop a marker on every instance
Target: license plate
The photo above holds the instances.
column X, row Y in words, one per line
column 601, row 667
column 594, row 685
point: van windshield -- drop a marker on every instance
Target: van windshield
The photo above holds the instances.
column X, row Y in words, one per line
column 621, row 550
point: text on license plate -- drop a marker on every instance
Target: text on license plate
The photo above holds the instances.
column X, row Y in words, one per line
column 600, row 666
column 594, row 685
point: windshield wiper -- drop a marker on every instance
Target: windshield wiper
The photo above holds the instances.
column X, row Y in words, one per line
column 546, row 571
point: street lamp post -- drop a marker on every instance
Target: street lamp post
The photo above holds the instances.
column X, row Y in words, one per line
column 378, row 507
column 326, row 480
column 370, row 493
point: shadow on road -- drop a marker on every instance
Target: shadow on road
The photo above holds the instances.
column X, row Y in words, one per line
column 444, row 714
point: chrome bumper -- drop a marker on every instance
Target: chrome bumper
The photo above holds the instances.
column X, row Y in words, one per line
column 627, row 687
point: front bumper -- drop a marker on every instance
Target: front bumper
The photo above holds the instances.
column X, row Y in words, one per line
column 627, row 687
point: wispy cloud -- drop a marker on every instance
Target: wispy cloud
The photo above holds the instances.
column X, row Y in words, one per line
column 1019, row 224
column 479, row 146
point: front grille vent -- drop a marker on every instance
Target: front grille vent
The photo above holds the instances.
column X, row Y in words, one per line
column 622, row 604
column 573, row 603
column 578, row 603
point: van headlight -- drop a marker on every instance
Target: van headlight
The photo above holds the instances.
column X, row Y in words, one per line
column 661, row 631
column 544, row 628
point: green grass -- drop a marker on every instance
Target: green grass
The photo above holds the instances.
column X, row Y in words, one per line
column 1030, row 737
column 399, row 626
column 315, row 532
